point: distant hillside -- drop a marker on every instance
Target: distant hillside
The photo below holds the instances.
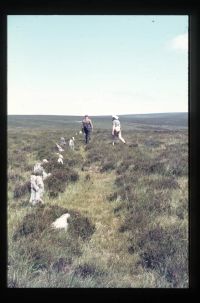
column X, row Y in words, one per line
column 44, row 121
column 170, row 120
column 178, row 119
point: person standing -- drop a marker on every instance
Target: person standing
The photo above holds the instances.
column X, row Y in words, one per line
column 116, row 129
column 87, row 128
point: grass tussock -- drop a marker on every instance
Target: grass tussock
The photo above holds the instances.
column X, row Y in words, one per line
column 163, row 251
column 21, row 189
column 47, row 249
column 40, row 219
column 88, row 270
column 59, row 179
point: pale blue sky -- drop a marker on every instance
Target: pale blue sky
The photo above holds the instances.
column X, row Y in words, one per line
column 99, row 65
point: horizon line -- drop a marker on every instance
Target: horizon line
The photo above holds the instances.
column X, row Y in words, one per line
column 99, row 115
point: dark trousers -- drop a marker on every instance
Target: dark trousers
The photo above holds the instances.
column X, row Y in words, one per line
column 87, row 135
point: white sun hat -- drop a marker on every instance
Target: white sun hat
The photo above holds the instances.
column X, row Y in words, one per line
column 115, row 117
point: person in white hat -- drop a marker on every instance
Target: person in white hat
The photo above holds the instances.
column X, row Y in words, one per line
column 116, row 129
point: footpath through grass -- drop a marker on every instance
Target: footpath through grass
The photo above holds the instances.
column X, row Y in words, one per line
column 107, row 248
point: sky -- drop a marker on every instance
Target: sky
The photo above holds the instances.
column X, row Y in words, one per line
column 97, row 64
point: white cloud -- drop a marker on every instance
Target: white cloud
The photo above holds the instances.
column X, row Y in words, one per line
column 180, row 42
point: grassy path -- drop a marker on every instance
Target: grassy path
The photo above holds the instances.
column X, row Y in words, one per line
column 107, row 247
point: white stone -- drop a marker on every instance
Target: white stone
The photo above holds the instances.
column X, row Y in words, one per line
column 62, row 141
column 59, row 147
column 46, row 175
column 45, row 161
column 60, row 160
column 71, row 143
column 61, row 222
column 37, row 189
column 38, row 168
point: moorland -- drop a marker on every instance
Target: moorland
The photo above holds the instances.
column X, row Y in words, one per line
column 128, row 203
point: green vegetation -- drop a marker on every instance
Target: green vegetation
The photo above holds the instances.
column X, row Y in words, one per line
column 128, row 204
